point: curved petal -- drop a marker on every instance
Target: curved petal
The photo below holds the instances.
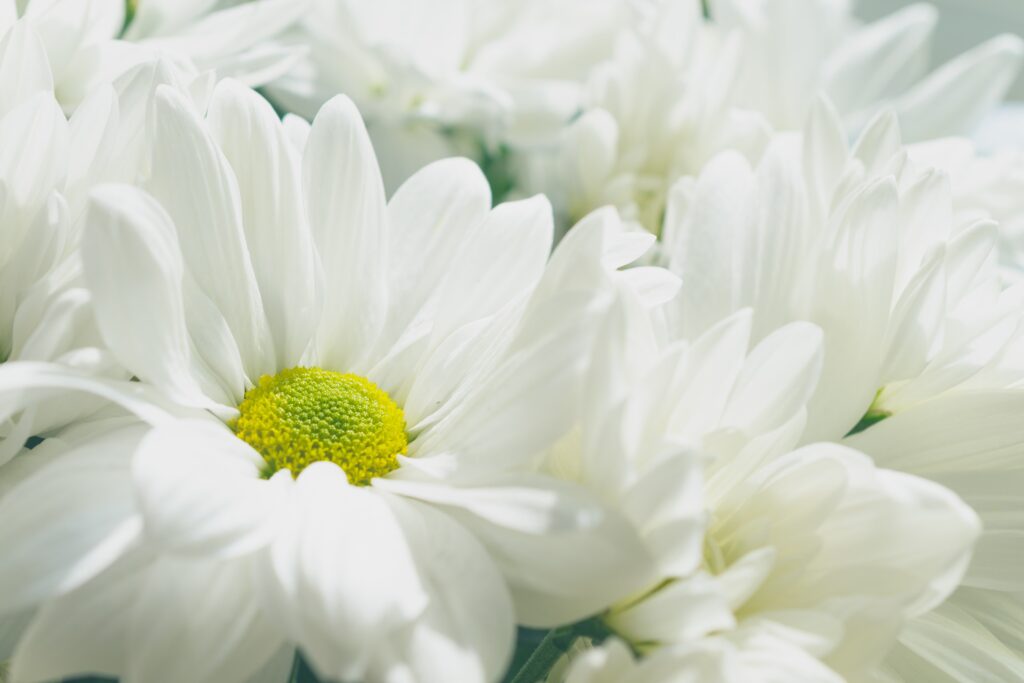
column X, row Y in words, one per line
column 69, row 520
column 468, row 628
column 200, row 492
column 953, row 98
column 564, row 554
column 128, row 237
column 341, row 579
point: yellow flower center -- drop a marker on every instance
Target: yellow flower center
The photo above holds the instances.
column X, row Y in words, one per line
column 304, row 415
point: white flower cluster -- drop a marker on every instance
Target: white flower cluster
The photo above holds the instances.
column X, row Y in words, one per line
column 705, row 366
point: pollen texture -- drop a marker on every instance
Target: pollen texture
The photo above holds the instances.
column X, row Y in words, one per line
column 304, row 415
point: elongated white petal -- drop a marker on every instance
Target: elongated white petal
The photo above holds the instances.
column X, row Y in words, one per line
column 708, row 243
column 341, row 578
column 344, row 198
column 24, row 67
column 196, row 186
column 953, row 98
column 431, row 216
column 563, row 554
column 680, row 612
column 277, row 234
column 949, row 646
column 777, row 378
column 882, row 60
column 502, row 262
column 129, row 237
column 33, row 162
column 467, row 631
column 961, row 432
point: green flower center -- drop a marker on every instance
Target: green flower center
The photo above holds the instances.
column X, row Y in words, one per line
column 304, row 415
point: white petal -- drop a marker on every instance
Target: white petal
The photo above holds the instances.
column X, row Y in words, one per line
column 431, row 216
column 909, row 539
column 960, row 432
column 33, row 162
column 198, row 621
column 954, row 98
column 879, row 142
column 266, row 166
column 194, row 183
column 344, row 196
column 654, row 286
column 129, row 238
column 85, row 631
column 778, row 377
column 69, row 521
column 342, row 579
column 949, row 646
column 915, row 326
column 708, row 243
column 24, row 67
column 468, row 630
column 714, row 361
column 502, row 262
column 535, row 383
column 882, row 59
column 680, row 612
column 856, row 278
column 565, row 555
column 200, row 491
column 23, row 383
column 997, row 495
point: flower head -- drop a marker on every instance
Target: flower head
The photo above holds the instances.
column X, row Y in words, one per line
column 342, row 401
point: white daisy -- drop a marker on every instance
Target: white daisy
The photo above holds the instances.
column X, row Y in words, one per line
column 659, row 109
column 763, row 542
column 358, row 392
column 923, row 346
column 90, row 42
column 453, row 76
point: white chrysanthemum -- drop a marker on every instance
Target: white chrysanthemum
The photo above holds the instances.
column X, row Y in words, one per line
column 90, row 42
column 659, row 109
column 358, row 392
column 793, row 51
column 439, row 77
column 813, row 549
column 923, row 346
column 680, row 88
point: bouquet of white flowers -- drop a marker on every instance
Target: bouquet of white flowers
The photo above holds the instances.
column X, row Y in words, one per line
column 506, row 341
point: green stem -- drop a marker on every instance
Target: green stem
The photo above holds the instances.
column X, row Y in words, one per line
column 544, row 657
column 555, row 644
